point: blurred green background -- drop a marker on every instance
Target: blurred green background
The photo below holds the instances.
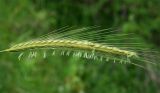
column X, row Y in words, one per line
column 25, row 19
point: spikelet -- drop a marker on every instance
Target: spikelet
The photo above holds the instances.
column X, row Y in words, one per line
column 88, row 42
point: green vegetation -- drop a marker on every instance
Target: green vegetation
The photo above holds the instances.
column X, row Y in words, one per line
column 21, row 20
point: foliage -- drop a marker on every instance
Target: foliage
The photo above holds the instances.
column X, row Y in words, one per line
column 25, row 19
